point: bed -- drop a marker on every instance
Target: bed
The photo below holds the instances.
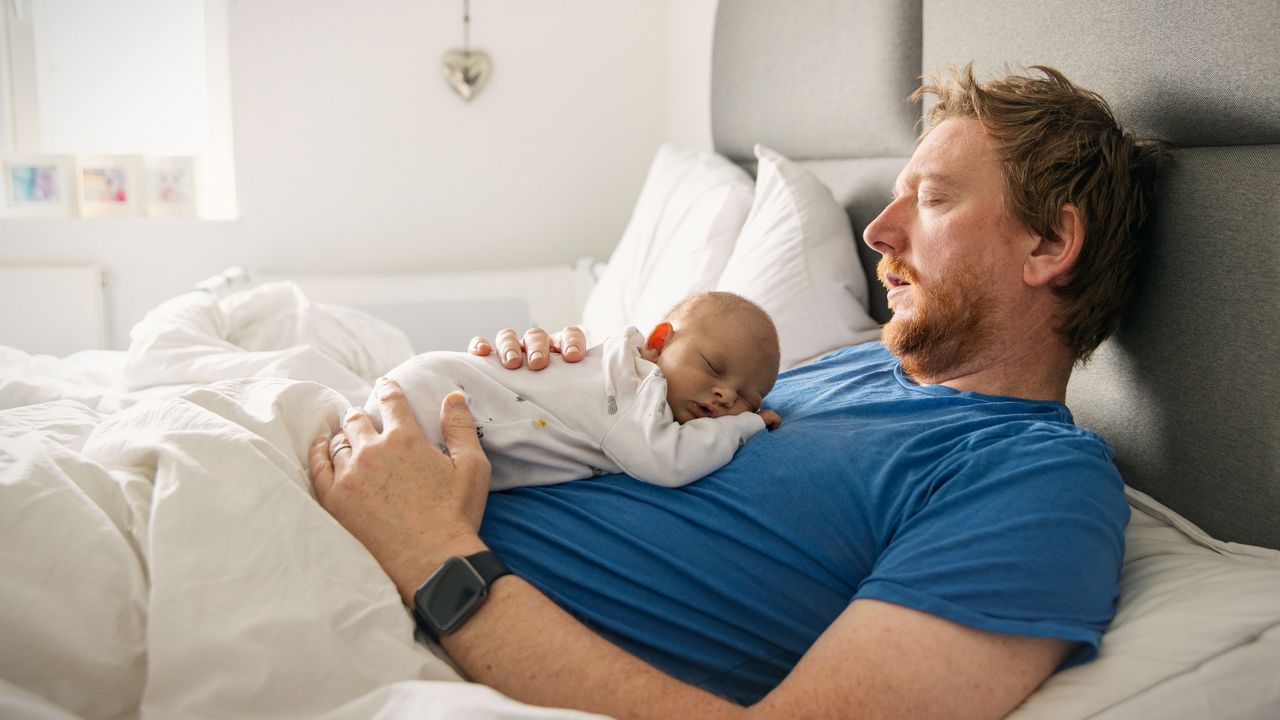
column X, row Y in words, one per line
column 163, row 555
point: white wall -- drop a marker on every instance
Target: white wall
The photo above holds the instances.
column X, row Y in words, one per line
column 352, row 155
column 82, row 69
column 691, row 25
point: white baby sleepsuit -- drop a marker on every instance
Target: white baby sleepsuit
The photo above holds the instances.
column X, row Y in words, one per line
column 606, row 414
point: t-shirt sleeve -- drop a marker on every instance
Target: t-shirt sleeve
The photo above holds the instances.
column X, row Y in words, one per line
column 1023, row 535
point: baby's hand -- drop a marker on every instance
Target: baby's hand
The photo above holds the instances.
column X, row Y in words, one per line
column 771, row 419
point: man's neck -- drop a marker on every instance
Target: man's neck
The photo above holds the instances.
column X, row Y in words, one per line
column 1027, row 361
column 1013, row 377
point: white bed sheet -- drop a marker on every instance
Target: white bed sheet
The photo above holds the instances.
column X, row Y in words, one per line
column 163, row 555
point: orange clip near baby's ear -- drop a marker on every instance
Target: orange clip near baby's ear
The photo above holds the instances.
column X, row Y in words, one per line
column 659, row 336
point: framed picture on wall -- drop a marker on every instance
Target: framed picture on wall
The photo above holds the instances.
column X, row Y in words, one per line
column 38, row 185
column 171, row 186
column 110, row 186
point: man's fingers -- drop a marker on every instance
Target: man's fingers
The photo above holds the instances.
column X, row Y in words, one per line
column 397, row 414
column 458, row 428
column 509, row 350
column 358, row 427
column 340, row 450
column 479, row 346
column 320, row 467
column 538, row 345
column 570, row 342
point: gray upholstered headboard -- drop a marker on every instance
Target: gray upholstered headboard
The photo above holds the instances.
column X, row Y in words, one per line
column 1188, row 391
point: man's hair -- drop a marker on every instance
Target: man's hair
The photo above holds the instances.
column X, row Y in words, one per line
column 755, row 322
column 1061, row 144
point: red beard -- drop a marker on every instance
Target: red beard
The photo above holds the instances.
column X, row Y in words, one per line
column 948, row 324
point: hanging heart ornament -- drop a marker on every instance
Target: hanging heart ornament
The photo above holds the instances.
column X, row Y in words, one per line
column 467, row 71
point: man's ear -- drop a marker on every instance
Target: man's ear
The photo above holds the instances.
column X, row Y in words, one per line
column 658, row 338
column 1055, row 254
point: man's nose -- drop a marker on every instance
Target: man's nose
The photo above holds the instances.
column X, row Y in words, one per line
column 885, row 233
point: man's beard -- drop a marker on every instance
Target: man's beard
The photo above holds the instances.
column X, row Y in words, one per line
column 948, row 324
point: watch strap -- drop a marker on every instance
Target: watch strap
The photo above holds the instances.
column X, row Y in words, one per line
column 489, row 566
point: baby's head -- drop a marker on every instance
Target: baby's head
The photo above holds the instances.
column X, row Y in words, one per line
column 719, row 353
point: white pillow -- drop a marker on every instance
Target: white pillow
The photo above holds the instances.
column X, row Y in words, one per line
column 1196, row 632
column 679, row 238
column 796, row 257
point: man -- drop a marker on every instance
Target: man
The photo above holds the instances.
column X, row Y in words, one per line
column 926, row 535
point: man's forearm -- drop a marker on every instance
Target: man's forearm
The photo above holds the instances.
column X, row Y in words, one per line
column 524, row 645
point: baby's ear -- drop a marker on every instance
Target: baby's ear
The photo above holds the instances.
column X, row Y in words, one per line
column 658, row 338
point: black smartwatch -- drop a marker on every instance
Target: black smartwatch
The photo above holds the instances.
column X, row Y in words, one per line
column 454, row 591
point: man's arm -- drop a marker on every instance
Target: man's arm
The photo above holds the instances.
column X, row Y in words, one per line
column 877, row 660
column 414, row 506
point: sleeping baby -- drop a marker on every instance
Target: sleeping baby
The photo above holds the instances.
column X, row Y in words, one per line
column 666, row 409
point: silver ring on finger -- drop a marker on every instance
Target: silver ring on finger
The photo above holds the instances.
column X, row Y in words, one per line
column 343, row 445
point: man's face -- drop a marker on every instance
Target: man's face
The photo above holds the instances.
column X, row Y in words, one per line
column 952, row 252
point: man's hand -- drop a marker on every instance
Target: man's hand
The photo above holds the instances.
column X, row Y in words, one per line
column 411, row 504
column 570, row 343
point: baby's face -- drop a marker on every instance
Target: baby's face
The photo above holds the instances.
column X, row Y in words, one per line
column 713, row 369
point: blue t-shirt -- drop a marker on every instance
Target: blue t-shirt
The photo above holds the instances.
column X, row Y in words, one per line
column 992, row 512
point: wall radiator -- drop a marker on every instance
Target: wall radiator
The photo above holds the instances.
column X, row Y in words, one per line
column 53, row 309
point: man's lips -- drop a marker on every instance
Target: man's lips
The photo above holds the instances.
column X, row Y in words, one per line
column 892, row 281
column 894, row 273
column 897, row 286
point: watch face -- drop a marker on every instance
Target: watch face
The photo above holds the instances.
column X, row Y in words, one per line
column 450, row 595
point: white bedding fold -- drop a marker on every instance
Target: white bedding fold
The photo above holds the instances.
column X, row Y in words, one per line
column 168, row 559
column 74, row 596
column 249, row 577
column 269, row 331
column 178, row 566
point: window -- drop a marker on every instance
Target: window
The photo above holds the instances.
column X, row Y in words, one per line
column 146, row 77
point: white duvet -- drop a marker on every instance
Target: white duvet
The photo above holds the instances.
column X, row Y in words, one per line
column 162, row 553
